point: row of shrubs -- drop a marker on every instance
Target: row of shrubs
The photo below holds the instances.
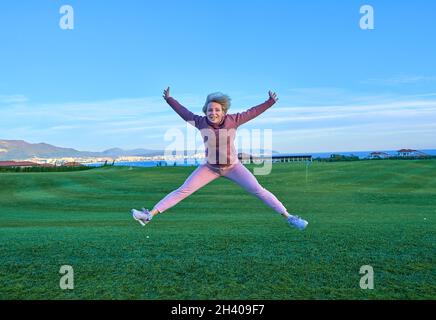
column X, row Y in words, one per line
column 338, row 157
column 410, row 158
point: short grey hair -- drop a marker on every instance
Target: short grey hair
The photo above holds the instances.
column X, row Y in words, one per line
column 218, row 97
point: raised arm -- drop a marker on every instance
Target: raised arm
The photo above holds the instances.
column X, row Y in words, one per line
column 184, row 113
column 253, row 112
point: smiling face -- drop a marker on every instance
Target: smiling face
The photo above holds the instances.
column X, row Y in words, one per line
column 214, row 112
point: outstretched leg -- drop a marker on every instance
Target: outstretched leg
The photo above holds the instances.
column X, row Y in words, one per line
column 242, row 176
column 198, row 178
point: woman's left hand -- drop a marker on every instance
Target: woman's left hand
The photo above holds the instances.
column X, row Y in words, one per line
column 273, row 96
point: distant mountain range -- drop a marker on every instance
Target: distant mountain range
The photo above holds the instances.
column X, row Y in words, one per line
column 21, row 150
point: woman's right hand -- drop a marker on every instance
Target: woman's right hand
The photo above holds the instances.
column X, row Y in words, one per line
column 166, row 94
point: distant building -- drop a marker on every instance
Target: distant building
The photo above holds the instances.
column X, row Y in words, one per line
column 72, row 164
column 378, row 155
column 21, row 164
column 46, row 165
column 411, row 153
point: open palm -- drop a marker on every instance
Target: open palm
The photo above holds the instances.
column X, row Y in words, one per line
column 273, row 95
column 166, row 93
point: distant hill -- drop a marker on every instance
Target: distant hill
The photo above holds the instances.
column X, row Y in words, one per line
column 20, row 150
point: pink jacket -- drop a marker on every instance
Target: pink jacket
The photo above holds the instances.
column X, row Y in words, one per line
column 219, row 139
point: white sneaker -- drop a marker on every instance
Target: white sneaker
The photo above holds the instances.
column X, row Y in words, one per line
column 143, row 216
column 297, row 222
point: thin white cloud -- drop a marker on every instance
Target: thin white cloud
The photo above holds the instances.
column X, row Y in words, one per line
column 399, row 80
column 357, row 137
column 405, row 110
column 64, row 127
column 368, row 128
column 12, row 99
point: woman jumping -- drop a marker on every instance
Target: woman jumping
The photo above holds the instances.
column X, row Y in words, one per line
column 222, row 159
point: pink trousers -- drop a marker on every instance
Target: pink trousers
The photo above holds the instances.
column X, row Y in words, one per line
column 206, row 173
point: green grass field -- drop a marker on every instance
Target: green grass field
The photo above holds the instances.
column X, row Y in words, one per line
column 221, row 243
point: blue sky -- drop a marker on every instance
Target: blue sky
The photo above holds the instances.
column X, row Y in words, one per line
column 99, row 86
